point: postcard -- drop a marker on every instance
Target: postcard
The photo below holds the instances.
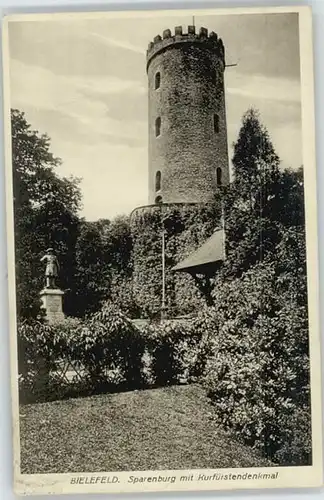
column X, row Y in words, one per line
column 162, row 250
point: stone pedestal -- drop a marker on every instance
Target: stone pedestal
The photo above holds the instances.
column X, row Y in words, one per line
column 52, row 299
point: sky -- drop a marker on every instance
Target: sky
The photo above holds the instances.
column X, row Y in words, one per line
column 84, row 83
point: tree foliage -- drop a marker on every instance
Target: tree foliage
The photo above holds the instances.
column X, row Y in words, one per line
column 257, row 352
column 255, row 162
column 45, row 211
column 103, row 268
column 262, row 200
column 95, row 257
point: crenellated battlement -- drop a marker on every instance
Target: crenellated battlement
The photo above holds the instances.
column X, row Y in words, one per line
column 208, row 40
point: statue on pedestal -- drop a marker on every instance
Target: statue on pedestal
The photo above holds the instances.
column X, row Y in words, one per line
column 52, row 296
column 52, row 268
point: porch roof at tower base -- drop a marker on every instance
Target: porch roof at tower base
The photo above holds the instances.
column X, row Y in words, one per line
column 207, row 258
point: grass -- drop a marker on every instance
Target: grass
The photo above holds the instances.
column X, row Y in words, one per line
column 168, row 428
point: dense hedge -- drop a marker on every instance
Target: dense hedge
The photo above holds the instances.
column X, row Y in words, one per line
column 41, row 349
column 257, row 363
column 186, row 227
column 106, row 352
column 173, row 352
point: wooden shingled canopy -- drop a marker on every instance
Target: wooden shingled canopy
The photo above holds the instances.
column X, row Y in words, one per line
column 207, row 258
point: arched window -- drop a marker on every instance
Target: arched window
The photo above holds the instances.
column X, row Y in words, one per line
column 158, row 181
column 158, row 126
column 219, row 176
column 216, row 124
column 158, row 200
column 157, row 80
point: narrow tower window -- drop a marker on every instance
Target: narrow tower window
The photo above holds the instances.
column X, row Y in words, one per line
column 158, row 126
column 157, row 80
column 216, row 124
column 219, row 176
column 214, row 77
column 158, row 181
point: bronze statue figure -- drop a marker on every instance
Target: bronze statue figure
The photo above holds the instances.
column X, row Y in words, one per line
column 52, row 268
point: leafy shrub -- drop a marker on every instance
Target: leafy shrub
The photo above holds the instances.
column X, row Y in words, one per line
column 111, row 341
column 172, row 347
column 104, row 352
column 122, row 295
column 162, row 342
column 296, row 446
column 41, row 349
column 257, row 369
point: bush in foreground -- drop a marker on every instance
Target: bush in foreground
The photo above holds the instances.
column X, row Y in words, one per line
column 104, row 353
column 172, row 348
column 110, row 341
column 257, row 369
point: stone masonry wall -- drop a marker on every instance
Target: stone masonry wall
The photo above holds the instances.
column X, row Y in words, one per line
column 188, row 150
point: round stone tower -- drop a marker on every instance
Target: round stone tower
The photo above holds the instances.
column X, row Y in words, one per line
column 188, row 158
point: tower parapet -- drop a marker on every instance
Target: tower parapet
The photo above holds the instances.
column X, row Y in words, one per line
column 167, row 40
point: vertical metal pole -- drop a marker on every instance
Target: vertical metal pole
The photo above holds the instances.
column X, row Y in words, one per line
column 223, row 228
column 163, row 276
